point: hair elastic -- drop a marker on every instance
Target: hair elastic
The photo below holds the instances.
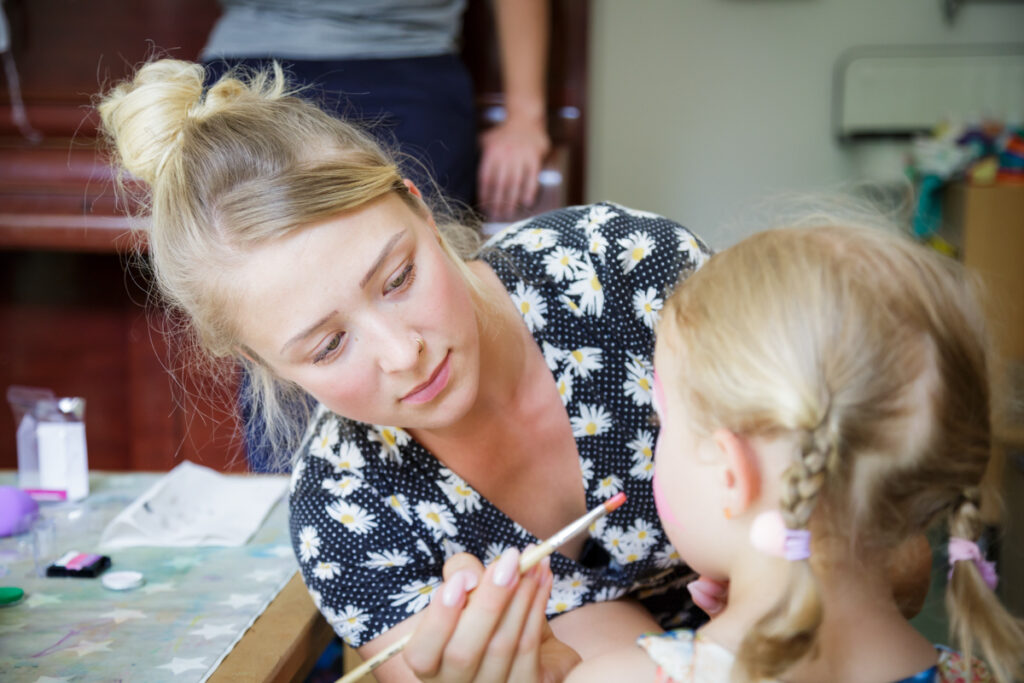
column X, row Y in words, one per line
column 962, row 549
column 769, row 534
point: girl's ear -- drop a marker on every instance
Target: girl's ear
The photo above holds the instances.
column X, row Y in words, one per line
column 742, row 474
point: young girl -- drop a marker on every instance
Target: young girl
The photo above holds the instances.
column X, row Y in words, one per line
column 823, row 394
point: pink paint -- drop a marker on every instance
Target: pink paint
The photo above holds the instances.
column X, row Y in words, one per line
column 661, row 503
column 429, row 390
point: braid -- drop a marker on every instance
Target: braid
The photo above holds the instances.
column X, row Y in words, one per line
column 787, row 632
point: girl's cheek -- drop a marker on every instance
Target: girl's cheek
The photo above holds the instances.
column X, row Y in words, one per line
column 661, row 502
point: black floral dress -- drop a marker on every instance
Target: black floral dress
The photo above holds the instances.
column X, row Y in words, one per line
column 374, row 515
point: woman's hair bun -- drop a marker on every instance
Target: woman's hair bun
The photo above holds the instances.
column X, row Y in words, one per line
column 144, row 117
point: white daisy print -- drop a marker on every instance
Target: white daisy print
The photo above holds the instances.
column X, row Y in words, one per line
column 531, row 305
column 564, row 384
column 552, row 355
column 667, row 557
column 348, row 458
column 608, row 486
column 326, row 439
column 349, row 622
column 639, row 384
column 386, row 559
column 589, row 290
column 464, row 498
column 326, row 571
column 391, row 440
column 416, row 595
column 494, row 551
column 562, row 601
column 538, row 239
column 309, row 543
column 573, row 307
column 450, row 548
column 609, row 593
column 647, row 305
column 587, row 470
column 595, row 218
column 352, row 517
column 562, row 262
column 598, row 245
column 643, row 455
column 400, row 504
column 643, row 533
column 631, row 551
column 343, row 486
column 593, row 420
column 636, row 213
column 438, row 519
column 585, row 360
column 577, row 583
column 635, row 249
column 689, row 246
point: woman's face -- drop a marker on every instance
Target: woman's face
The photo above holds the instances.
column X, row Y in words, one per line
column 338, row 307
column 686, row 471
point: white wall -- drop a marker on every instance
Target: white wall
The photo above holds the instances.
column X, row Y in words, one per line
column 701, row 108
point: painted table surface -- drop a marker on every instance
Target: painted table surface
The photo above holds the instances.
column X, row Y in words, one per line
column 196, row 602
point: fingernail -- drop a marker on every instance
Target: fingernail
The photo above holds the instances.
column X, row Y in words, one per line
column 708, row 603
column 506, row 568
column 454, row 589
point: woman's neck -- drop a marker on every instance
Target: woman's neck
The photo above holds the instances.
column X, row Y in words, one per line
column 863, row 636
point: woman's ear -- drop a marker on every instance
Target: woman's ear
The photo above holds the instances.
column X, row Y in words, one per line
column 742, row 474
column 411, row 186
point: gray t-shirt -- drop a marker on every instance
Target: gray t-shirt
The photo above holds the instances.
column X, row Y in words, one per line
column 335, row 29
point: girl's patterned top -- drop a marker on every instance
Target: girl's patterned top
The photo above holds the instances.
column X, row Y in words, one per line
column 683, row 656
column 374, row 515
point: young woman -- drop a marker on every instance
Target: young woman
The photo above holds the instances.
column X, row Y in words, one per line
column 462, row 406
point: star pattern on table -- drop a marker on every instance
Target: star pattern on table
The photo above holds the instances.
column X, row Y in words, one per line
column 211, row 631
column 236, row 600
column 37, row 599
column 13, row 627
column 182, row 562
column 181, row 664
column 163, row 587
column 122, row 615
column 262, row 575
column 52, row 679
column 88, row 647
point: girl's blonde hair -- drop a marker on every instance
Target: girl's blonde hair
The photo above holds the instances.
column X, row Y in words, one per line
column 873, row 350
column 236, row 165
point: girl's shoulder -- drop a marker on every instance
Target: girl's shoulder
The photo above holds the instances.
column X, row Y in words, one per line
column 684, row 655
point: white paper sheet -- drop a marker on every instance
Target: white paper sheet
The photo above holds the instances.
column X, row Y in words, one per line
column 194, row 506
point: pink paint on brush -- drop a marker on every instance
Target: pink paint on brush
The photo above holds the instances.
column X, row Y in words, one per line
column 615, row 502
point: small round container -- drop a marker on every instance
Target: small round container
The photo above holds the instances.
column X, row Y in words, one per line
column 123, row 580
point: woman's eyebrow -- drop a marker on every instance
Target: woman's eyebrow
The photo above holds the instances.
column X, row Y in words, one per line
column 380, row 257
column 308, row 331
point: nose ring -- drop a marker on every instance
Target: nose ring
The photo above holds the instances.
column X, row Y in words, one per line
column 420, row 345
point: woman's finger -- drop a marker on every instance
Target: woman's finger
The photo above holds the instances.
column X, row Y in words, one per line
column 708, row 594
column 503, row 648
column 425, row 651
column 526, row 666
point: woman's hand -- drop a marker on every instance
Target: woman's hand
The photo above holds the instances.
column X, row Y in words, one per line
column 708, row 594
column 511, row 156
column 489, row 625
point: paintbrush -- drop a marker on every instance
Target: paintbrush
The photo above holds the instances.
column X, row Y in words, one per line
column 529, row 558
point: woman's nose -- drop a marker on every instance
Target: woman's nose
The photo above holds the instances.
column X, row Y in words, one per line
column 399, row 351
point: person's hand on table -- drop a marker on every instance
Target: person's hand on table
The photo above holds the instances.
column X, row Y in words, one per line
column 489, row 625
column 708, row 594
column 511, row 156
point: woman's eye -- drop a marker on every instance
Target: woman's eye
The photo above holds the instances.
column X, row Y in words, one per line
column 403, row 279
column 329, row 348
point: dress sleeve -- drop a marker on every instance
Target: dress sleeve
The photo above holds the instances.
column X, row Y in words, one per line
column 361, row 555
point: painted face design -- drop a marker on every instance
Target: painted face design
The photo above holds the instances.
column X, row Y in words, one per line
column 660, row 500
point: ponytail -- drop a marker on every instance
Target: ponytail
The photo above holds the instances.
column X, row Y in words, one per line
column 977, row 617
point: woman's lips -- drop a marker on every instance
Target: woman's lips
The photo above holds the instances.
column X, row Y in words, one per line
column 433, row 386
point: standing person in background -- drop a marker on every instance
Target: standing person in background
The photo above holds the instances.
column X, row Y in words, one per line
column 395, row 63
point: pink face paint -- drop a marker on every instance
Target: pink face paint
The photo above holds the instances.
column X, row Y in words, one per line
column 661, row 503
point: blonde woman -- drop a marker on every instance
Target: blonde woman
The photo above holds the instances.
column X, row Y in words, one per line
column 824, row 396
column 463, row 406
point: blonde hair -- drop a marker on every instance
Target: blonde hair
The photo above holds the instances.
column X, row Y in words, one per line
column 233, row 166
column 872, row 350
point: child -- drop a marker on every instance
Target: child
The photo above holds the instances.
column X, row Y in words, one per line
column 824, row 395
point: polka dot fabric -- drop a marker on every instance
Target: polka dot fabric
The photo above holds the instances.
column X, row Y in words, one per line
column 374, row 515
